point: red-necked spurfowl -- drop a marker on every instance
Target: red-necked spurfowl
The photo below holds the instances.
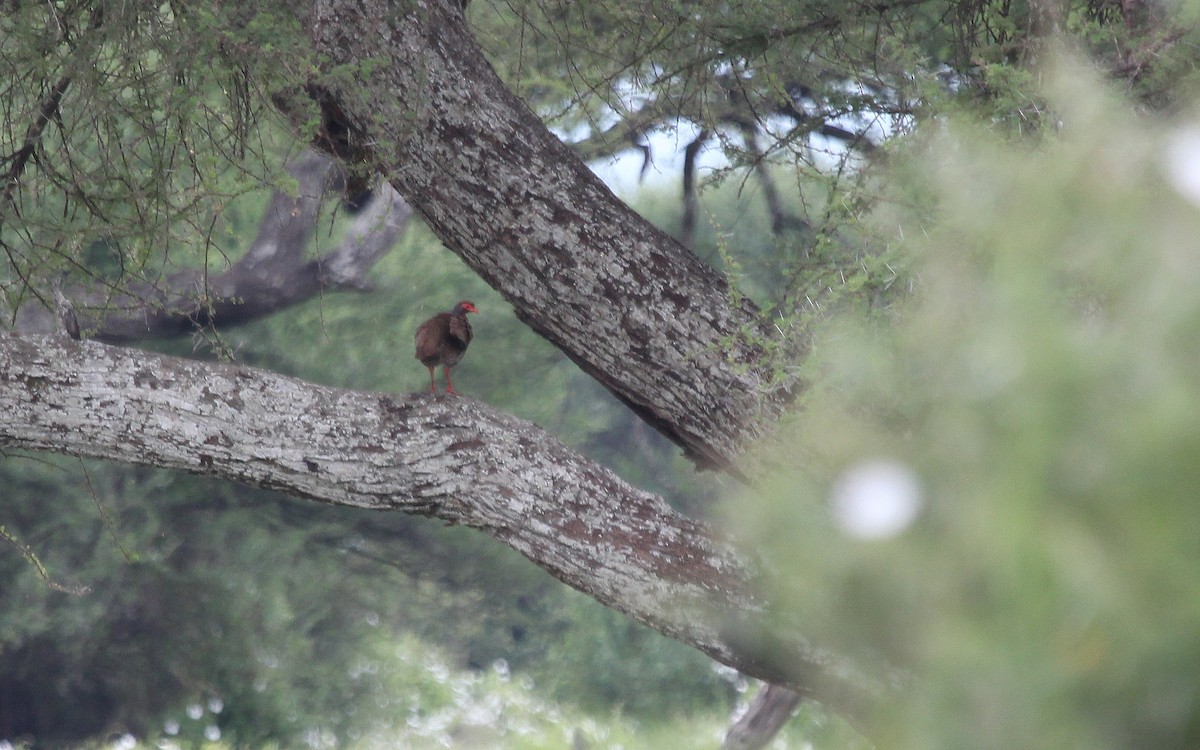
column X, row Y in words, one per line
column 443, row 339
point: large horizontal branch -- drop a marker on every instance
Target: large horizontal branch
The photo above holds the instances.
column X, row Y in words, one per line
column 455, row 459
column 411, row 96
column 274, row 273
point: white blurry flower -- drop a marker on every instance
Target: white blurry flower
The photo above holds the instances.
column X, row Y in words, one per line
column 1181, row 162
column 876, row 499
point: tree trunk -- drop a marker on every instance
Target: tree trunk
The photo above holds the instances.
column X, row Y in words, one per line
column 451, row 458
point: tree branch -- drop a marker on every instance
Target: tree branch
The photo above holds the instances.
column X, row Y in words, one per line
column 691, row 194
column 636, row 310
column 33, row 137
column 455, row 459
column 764, row 717
column 275, row 272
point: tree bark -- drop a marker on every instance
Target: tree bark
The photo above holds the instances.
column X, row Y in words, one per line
column 455, row 459
column 636, row 310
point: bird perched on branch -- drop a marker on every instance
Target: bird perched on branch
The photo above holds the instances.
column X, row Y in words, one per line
column 443, row 339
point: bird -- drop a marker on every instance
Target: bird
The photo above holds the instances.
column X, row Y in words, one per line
column 443, row 339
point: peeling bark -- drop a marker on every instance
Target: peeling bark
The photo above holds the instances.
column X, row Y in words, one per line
column 455, row 459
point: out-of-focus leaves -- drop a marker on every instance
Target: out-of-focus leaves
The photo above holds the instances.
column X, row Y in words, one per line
column 1039, row 400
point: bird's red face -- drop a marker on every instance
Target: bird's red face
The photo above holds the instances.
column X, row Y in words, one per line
column 467, row 306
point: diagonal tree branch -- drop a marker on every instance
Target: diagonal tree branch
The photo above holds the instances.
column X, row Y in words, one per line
column 636, row 310
column 33, row 136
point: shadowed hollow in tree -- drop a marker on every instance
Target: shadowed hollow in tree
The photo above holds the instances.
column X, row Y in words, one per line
column 443, row 340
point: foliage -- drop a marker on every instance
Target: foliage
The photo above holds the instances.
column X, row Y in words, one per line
column 621, row 70
column 127, row 130
column 678, row 50
column 603, row 661
column 1030, row 424
column 196, row 595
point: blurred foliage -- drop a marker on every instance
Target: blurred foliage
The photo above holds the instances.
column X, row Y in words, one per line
column 602, row 660
column 199, row 591
column 1041, row 388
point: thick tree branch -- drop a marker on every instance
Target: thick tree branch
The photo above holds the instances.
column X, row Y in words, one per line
column 635, row 309
column 276, row 271
column 451, row 458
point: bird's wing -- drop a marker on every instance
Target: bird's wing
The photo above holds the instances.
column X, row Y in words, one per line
column 460, row 328
column 430, row 335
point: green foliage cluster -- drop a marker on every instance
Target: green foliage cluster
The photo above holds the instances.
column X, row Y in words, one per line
column 198, row 593
column 1038, row 400
column 591, row 662
column 588, row 53
column 126, row 129
column 705, row 61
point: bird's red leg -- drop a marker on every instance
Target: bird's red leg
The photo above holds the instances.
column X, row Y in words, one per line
column 449, row 385
column 432, row 384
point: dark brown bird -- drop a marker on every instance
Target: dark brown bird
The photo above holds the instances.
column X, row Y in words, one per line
column 443, row 339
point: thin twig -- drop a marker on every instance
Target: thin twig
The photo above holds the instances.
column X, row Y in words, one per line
column 32, row 557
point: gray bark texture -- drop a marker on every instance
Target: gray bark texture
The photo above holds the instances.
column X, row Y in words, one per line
column 633, row 307
column 451, row 458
